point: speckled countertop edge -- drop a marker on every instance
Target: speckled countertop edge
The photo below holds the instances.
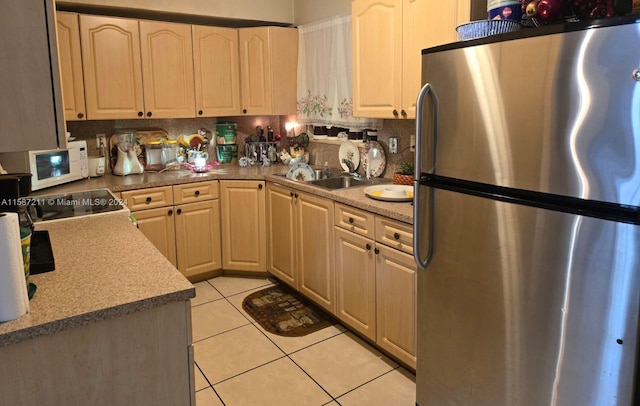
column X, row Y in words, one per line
column 401, row 211
column 98, row 276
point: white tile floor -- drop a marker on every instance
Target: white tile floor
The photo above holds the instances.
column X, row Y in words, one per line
column 239, row 363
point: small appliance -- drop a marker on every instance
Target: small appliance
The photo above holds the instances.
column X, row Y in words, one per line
column 127, row 160
column 50, row 167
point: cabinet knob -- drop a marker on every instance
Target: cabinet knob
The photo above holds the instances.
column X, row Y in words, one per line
column 395, row 113
column 179, row 211
column 291, row 194
column 260, row 186
column 404, row 113
column 148, row 200
column 80, row 115
column 197, row 193
column 149, row 114
column 396, row 236
column 295, row 195
column 170, row 212
column 244, row 111
column 200, row 112
column 351, row 220
column 368, row 247
column 377, row 251
column 140, row 114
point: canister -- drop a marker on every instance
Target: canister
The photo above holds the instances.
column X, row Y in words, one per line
column 504, row 9
column 153, row 155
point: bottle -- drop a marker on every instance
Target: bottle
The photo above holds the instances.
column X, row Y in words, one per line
column 327, row 170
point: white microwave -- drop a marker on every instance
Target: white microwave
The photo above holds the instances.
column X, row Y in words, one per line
column 50, row 167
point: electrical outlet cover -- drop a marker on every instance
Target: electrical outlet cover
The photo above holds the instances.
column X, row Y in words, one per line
column 393, row 145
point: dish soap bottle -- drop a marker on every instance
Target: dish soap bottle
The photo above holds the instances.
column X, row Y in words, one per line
column 327, row 170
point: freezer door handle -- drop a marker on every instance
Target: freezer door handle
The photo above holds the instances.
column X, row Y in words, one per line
column 424, row 226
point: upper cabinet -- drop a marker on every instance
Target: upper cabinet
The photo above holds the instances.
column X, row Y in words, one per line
column 167, row 69
column 388, row 38
column 268, row 70
column 31, row 114
column 216, row 71
column 71, row 66
column 112, row 68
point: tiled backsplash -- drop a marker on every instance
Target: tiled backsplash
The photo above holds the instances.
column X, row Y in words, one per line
column 319, row 153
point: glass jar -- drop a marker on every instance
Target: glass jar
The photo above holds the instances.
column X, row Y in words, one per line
column 153, row 155
column 170, row 152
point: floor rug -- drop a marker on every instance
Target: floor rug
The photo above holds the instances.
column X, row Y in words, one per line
column 283, row 312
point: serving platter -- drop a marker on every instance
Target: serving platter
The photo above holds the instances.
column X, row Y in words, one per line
column 349, row 151
column 378, row 158
column 301, row 172
column 390, row 193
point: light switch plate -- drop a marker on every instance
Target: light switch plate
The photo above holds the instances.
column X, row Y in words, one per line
column 412, row 146
column 393, row 145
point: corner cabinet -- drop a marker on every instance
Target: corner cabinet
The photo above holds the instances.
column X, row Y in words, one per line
column 388, row 38
column 244, row 246
column 216, row 71
column 70, row 57
column 268, row 70
column 301, row 243
column 30, row 81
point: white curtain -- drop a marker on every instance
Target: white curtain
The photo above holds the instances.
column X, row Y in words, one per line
column 325, row 92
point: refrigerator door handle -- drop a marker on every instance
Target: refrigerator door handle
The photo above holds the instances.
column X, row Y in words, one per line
column 417, row 212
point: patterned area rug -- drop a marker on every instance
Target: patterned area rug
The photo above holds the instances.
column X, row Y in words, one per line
column 281, row 311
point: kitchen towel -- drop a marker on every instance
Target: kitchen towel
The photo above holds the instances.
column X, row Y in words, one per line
column 14, row 300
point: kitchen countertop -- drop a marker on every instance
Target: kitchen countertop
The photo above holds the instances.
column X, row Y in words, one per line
column 98, row 276
column 401, row 211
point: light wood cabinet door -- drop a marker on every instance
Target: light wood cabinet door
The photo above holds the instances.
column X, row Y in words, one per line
column 112, row 67
column 268, row 70
column 198, row 237
column 30, row 97
column 377, row 57
column 70, row 58
column 356, row 282
column 314, row 222
column 166, row 50
column 396, row 303
column 281, row 233
column 244, row 246
column 216, row 71
column 158, row 226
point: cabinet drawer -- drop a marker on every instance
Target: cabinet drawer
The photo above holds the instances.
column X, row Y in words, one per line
column 196, row 192
column 354, row 220
column 148, row 198
column 395, row 234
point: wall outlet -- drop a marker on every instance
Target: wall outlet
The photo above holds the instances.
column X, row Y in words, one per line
column 412, row 145
column 393, row 145
column 101, row 139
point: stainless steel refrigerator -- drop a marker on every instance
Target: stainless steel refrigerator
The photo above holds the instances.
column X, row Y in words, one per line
column 526, row 205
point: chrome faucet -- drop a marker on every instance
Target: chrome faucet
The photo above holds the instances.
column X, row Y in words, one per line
column 352, row 169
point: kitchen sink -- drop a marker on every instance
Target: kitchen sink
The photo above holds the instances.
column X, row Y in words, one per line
column 344, row 182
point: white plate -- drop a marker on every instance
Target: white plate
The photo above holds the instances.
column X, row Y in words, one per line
column 349, row 151
column 301, row 172
column 390, row 193
column 378, row 160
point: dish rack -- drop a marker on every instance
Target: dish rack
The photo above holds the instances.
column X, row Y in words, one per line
column 484, row 28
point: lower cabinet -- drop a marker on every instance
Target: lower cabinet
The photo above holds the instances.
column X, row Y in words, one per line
column 244, row 246
column 185, row 227
column 301, row 243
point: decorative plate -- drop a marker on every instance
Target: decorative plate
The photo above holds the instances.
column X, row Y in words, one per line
column 349, row 151
column 390, row 193
column 301, row 172
column 378, row 159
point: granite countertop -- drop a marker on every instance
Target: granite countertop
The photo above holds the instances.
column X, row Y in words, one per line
column 401, row 211
column 91, row 283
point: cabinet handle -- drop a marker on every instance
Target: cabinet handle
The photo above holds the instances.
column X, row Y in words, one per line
column 80, row 115
column 396, row 236
column 351, row 220
column 197, row 193
column 140, row 114
column 170, row 212
column 260, row 186
column 149, row 114
column 395, row 113
column 148, row 200
column 368, row 247
column 377, row 251
column 200, row 112
column 295, row 195
column 291, row 194
column 404, row 113
column 244, row 111
column 179, row 211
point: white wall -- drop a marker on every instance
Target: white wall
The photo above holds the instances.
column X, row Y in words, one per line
column 306, row 11
column 264, row 10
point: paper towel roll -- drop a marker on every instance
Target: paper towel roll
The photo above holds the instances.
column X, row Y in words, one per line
column 14, row 299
